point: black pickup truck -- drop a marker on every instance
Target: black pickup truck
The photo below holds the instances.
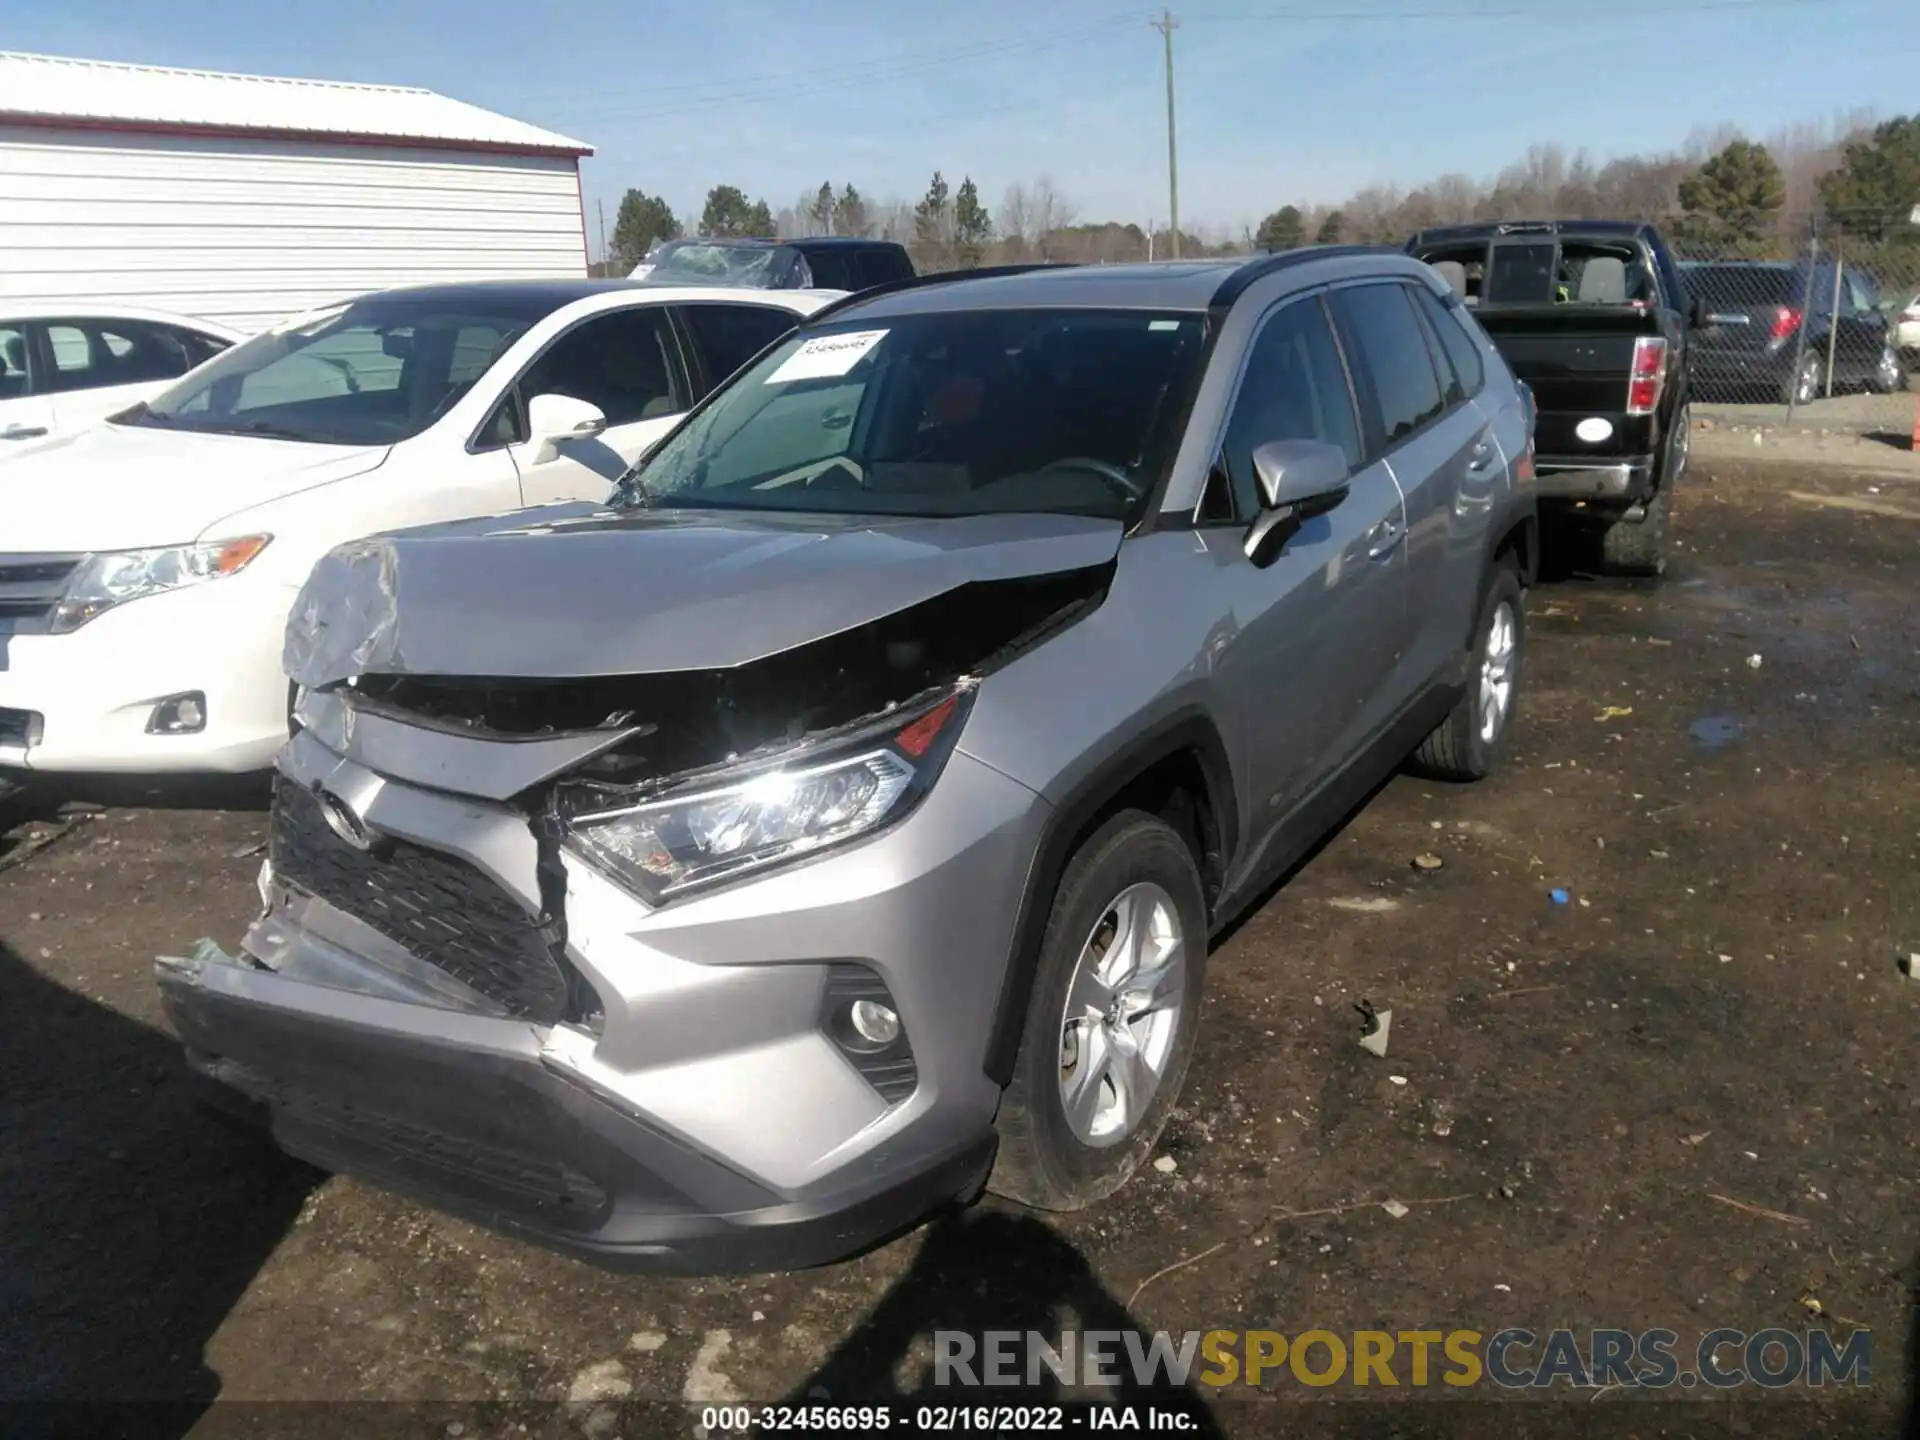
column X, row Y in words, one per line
column 1593, row 316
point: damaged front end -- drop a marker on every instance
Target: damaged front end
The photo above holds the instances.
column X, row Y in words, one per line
column 505, row 961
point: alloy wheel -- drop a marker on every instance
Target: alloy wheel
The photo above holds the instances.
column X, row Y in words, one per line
column 1122, row 1015
column 1496, row 672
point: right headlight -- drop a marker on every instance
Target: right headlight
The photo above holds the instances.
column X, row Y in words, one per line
column 114, row 577
column 727, row 823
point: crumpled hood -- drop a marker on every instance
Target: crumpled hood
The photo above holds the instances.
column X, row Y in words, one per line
column 123, row 487
column 574, row 591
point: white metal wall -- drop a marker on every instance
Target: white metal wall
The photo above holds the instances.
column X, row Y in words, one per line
column 247, row 231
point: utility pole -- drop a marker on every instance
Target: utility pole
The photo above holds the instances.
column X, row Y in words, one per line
column 1166, row 25
column 605, row 259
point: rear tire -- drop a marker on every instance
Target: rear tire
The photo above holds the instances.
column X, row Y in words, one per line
column 1465, row 746
column 1090, row 1036
column 1890, row 375
column 1803, row 388
column 1640, row 547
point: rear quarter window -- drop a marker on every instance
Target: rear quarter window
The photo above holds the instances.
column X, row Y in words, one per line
column 1462, row 352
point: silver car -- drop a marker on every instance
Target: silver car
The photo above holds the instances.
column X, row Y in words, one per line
column 835, row 822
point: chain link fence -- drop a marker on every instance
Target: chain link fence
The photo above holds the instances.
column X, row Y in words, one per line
column 1815, row 318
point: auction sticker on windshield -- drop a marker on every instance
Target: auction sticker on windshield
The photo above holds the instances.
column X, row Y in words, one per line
column 826, row 355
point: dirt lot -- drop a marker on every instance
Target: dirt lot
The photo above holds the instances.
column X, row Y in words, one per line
column 1686, row 1098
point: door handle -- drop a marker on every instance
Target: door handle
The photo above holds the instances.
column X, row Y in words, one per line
column 1480, row 457
column 1384, row 539
column 23, row 432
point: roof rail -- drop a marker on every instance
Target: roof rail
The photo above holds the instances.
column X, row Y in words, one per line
column 1271, row 261
column 941, row 277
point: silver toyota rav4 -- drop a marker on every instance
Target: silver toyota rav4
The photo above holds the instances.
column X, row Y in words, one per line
column 835, row 822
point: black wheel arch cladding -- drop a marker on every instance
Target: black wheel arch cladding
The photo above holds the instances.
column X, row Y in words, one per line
column 1189, row 731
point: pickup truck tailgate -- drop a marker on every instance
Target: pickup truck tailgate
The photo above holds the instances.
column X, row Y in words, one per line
column 1577, row 358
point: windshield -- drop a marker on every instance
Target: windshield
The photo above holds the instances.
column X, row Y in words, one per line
column 370, row 373
column 963, row 413
column 760, row 267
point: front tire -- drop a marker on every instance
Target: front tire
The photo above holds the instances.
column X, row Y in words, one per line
column 1468, row 743
column 1111, row 1023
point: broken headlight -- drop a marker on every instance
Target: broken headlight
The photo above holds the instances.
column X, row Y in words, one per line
column 726, row 823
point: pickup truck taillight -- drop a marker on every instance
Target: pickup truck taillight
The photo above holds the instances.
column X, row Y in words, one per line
column 1648, row 376
column 1786, row 320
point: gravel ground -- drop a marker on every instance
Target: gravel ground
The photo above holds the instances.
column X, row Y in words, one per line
column 1685, row 1098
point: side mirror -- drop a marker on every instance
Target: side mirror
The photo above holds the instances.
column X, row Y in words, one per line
column 1298, row 480
column 554, row 419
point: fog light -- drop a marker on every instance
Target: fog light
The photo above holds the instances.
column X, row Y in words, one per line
column 874, row 1022
column 179, row 715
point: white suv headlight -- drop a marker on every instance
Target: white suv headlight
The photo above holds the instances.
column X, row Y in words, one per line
column 112, row 578
column 729, row 822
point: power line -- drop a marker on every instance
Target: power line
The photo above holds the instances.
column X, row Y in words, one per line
column 830, row 79
column 1533, row 12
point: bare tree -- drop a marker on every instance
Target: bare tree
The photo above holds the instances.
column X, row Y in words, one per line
column 1016, row 216
column 1453, row 196
column 1050, row 211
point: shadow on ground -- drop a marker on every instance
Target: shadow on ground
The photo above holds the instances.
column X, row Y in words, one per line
column 981, row 1270
column 130, row 1222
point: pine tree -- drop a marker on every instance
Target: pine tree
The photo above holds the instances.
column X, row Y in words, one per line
column 1330, row 228
column 1874, row 191
column 853, row 212
column 643, row 222
column 930, row 216
column 972, row 226
column 1282, row 230
column 824, row 209
column 1734, row 199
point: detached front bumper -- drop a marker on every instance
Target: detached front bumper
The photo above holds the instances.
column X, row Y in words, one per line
column 465, row 1113
column 663, row 1087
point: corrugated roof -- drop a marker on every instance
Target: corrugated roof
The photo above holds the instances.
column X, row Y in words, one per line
column 49, row 89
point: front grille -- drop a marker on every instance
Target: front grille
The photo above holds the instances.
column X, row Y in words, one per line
column 444, row 910
column 19, row 727
column 30, row 587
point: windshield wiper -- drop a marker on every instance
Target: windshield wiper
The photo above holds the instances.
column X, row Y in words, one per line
column 271, row 431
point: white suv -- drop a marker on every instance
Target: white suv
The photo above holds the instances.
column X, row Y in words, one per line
column 147, row 565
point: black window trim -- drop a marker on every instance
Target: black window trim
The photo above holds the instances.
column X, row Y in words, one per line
column 678, row 367
column 1216, row 451
column 1451, row 396
column 1458, row 316
column 1439, row 417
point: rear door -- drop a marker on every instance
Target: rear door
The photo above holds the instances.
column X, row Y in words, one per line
column 626, row 362
column 1440, row 451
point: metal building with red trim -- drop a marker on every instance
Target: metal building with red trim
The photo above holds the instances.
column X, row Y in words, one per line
column 245, row 198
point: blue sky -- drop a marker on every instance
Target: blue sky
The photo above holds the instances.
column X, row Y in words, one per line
column 1278, row 99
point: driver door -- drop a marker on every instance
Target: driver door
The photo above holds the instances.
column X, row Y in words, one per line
column 626, row 363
